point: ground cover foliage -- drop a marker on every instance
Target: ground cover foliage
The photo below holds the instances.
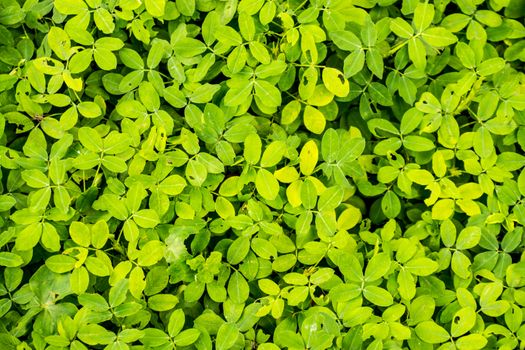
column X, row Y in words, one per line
column 262, row 174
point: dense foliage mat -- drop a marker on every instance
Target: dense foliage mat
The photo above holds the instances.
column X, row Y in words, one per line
column 262, row 174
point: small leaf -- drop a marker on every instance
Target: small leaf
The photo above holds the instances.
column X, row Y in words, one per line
column 8, row 259
column 468, row 238
column 238, row 289
column 266, row 184
column 377, row 267
column 439, row 37
column 422, row 266
column 314, row 120
column 378, row 296
column 155, row 7
column 431, row 332
column 346, row 40
column 146, row 218
column 335, row 82
column 227, row 336
column 354, row 63
column 187, row 337
column 308, row 157
column 252, row 148
column 463, row 321
column 423, row 16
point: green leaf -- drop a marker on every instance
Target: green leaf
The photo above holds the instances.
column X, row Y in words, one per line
column 273, row 154
column 268, row 93
column 79, row 280
column 423, row 16
column 252, row 148
column 227, row 336
column 443, row 209
column 188, row 47
column 463, row 321
column 93, row 334
column 114, row 164
column 93, row 302
column 330, row 198
column 496, row 308
column 417, row 52
column 422, row 308
column 468, row 238
column 439, row 37
column 227, row 36
column 346, row 40
column 59, row 42
column 149, row 96
column 131, row 59
column 314, row 120
column 155, row 8
column 29, row 237
column 259, row 52
column 430, row 332
column 80, row 61
column 187, row 8
column 117, row 293
column 472, row 341
column 421, row 266
column 80, row 233
column 6, row 202
column 290, row 112
column 151, row 252
column 154, row 338
column 266, row 184
column 238, row 289
column 511, row 240
column 401, row 28
column 418, row 143
column 162, row 302
column 204, row 93
column 187, row 337
column 237, row 59
column 147, row 218
column 238, row 250
column 491, row 66
column 377, row 267
column 379, row 93
column 369, row 33
column 308, row 194
column 131, row 81
column 9, row 259
column 308, row 157
column 483, row 143
column 378, row 296
column 407, row 284
column 35, row 178
column 176, row 322
column 89, row 109
column 90, row 139
column 196, row 172
column 174, row 97
column 374, row 62
column 354, row 63
column 335, row 82
column 461, row 264
column 263, row 248
column 212, row 164
column 172, row 185
column 104, row 20
column 391, row 205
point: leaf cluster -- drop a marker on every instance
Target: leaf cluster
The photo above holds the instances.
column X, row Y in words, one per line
column 262, row 174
